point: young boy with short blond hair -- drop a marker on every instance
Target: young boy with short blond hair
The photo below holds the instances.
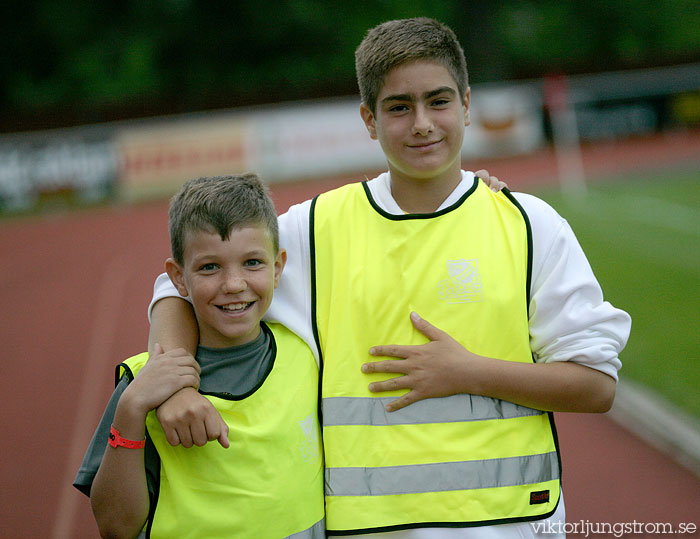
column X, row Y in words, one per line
column 265, row 478
column 469, row 447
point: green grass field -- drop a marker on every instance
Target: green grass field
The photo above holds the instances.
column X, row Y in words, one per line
column 642, row 238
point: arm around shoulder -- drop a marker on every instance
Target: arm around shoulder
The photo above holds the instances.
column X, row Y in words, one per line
column 173, row 325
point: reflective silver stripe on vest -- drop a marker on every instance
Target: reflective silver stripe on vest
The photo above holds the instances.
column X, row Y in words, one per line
column 505, row 472
column 456, row 408
column 317, row 531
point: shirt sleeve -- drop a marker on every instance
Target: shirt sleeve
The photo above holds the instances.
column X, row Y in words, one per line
column 569, row 318
column 291, row 303
column 98, row 444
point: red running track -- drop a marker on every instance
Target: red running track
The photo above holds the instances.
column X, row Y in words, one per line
column 74, row 292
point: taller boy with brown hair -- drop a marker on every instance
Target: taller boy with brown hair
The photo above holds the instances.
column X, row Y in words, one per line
column 524, row 327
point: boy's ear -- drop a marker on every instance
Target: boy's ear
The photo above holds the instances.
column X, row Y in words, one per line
column 465, row 104
column 280, row 261
column 368, row 118
column 176, row 275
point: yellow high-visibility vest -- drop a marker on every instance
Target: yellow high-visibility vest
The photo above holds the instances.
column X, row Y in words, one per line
column 269, row 482
column 463, row 460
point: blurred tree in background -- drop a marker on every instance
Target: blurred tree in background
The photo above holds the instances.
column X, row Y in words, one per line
column 67, row 63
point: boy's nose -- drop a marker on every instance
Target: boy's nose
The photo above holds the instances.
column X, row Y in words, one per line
column 422, row 124
column 233, row 284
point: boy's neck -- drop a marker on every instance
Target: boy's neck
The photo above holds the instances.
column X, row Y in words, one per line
column 423, row 195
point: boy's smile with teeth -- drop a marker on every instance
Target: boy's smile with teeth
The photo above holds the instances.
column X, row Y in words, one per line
column 235, row 306
column 230, row 282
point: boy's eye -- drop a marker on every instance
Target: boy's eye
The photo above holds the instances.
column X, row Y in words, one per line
column 398, row 108
column 253, row 262
column 441, row 101
column 208, row 267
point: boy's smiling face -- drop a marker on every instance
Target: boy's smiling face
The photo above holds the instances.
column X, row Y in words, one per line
column 230, row 282
column 419, row 121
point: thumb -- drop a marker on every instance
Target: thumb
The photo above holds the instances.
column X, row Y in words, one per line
column 157, row 349
column 426, row 328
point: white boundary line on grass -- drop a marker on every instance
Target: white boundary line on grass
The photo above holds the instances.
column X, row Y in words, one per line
column 112, row 290
column 661, row 212
column 649, row 210
column 661, row 424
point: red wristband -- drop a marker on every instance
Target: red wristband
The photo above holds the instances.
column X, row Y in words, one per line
column 115, row 440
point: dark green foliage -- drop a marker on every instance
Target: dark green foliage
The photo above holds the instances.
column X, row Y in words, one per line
column 64, row 63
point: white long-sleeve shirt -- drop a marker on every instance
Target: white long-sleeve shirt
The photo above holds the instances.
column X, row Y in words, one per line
column 568, row 317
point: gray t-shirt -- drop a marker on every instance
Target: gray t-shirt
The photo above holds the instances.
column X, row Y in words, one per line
column 230, row 373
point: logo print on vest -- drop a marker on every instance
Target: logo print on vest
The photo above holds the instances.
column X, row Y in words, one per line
column 464, row 284
column 309, row 448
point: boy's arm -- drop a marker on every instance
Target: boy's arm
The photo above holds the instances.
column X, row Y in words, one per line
column 444, row 367
column 187, row 417
column 173, row 325
column 575, row 335
column 119, row 493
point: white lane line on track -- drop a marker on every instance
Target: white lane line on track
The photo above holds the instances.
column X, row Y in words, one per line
column 662, row 424
column 112, row 290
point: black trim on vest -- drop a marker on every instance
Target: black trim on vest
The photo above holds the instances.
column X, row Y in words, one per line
column 314, row 322
column 409, row 216
column 118, row 375
column 232, row 397
column 555, row 435
column 528, row 228
column 152, row 480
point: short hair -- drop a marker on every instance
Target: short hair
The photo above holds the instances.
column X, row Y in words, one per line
column 402, row 40
column 218, row 204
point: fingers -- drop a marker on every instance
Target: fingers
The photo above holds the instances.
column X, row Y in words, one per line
column 390, row 350
column 405, row 352
column 172, row 436
column 426, row 328
column 483, row 174
column 216, row 428
column 402, row 402
column 199, row 433
column 498, row 185
column 212, row 427
column 492, row 182
column 222, row 438
column 183, row 358
column 189, row 378
column 390, row 365
column 185, row 436
column 392, row 384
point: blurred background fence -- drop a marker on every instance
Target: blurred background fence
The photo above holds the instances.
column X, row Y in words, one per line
column 134, row 159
